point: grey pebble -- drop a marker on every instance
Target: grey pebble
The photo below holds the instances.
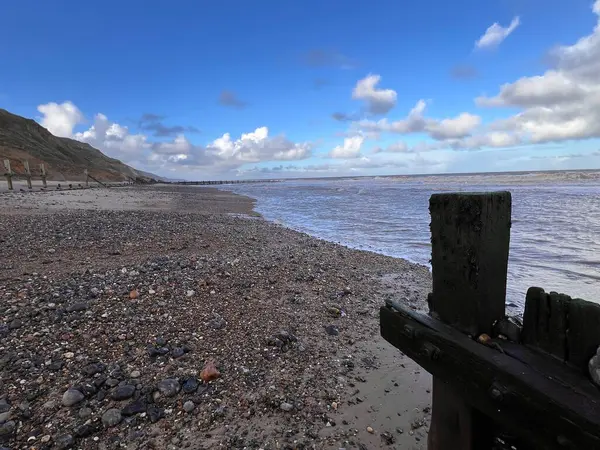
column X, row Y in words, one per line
column 286, row 407
column 189, row 406
column 111, row 417
column 169, row 387
column 63, row 442
column 72, row 397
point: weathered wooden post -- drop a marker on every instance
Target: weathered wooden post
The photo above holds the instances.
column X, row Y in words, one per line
column 8, row 174
column 87, row 178
column 27, row 173
column 43, row 172
column 470, row 236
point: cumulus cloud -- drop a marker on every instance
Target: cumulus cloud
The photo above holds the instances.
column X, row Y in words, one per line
column 113, row 139
column 561, row 104
column 378, row 101
column 495, row 34
column 349, row 149
column 60, row 119
column 457, row 127
column 230, row 99
column 222, row 154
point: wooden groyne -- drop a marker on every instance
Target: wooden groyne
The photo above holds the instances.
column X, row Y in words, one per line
column 495, row 376
column 217, row 182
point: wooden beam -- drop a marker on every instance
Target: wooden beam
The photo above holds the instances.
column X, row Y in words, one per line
column 533, row 396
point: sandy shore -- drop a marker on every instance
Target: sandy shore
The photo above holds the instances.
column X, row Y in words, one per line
column 114, row 300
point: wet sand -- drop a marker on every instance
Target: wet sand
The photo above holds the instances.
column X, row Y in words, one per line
column 290, row 321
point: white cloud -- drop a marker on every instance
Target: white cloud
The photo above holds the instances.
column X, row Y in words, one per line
column 561, row 104
column 60, row 119
column 222, row 154
column 457, row 127
column 379, row 101
column 113, row 139
column 550, row 89
column 495, row 34
column 349, row 149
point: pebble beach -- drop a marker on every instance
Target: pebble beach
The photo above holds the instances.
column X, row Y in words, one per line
column 170, row 317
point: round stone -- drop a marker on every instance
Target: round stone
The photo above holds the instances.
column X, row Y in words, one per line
column 72, row 397
column 111, row 417
column 123, row 392
column 189, row 406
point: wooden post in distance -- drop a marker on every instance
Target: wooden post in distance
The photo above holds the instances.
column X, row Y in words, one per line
column 8, row 174
column 27, row 174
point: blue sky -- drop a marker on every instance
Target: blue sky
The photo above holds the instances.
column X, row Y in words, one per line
column 273, row 89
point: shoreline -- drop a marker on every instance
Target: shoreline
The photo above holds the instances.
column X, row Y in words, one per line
column 316, row 236
column 214, row 286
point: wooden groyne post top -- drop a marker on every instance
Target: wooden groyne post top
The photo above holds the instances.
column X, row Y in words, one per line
column 470, row 235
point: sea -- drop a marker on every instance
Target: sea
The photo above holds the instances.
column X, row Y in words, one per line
column 555, row 234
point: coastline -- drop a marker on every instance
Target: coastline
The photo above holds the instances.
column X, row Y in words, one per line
column 250, row 280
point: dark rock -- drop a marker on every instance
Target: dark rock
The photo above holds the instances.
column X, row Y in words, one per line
column 98, row 382
column 155, row 413
column 16, row 323
column 332, row 330
column 75, row 307
column 63, row 442
column 190, row 385
column 157, row 351
column 177, row 352
column 88, row 389
column 7, row 429
column 169, row 387
column 87, row 429
column 72, row 397
column 92, row 369
column 4, row 406
column 136, row 407
column 55, row 366
column 123, row 392
column 161, row 342
column 111, row 418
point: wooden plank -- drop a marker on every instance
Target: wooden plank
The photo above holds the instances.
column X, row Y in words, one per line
column 542, row 409
column 470, row 235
